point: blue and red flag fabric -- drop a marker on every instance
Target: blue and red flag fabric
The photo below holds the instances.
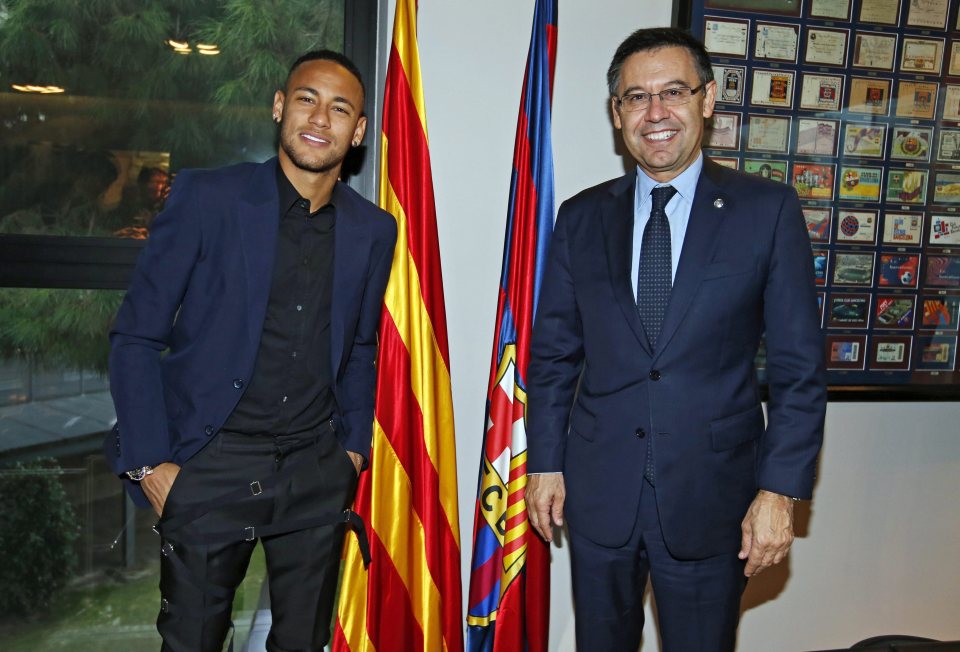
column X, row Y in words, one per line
column 509, row 603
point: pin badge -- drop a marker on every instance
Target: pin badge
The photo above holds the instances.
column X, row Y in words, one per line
column 718, row 202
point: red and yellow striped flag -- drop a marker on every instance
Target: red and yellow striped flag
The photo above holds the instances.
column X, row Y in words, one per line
column 409, row 598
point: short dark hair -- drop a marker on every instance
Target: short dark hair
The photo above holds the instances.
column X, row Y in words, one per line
column 328, row 55
column 654, row 38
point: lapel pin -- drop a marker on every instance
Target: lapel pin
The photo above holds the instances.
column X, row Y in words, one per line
column 718, row 202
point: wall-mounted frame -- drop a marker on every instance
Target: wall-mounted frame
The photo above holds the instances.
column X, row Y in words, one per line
column 817, row 136
column 830, row 9
column 725, row 130
column 880, row 12
column 826, row 46
column 856, row 104
column 776, row 42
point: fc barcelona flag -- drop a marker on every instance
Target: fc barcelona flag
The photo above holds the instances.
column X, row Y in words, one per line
column 409, row 599
column 509, row 604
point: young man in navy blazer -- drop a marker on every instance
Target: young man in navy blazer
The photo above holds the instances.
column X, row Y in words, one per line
column 645, row 425
column 242, row 368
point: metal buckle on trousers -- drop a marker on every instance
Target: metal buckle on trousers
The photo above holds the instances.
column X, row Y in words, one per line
column 255, row 488
column 252, row 535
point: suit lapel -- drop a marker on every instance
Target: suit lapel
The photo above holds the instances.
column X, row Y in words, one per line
column 617, row 220
column 711, row 205
column 259, row 216
column 351, row 248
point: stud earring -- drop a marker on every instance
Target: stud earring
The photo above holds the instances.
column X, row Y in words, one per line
column 276, row 119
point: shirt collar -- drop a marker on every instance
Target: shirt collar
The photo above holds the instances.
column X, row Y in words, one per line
column 289, row 196
column 685, row 183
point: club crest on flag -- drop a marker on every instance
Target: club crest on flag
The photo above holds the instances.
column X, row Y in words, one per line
column 500, row 551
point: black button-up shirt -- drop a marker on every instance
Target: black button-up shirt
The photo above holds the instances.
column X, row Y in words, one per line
column 291, row 390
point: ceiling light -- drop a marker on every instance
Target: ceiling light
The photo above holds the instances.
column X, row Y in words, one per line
column 183, row 47
column 33, row 88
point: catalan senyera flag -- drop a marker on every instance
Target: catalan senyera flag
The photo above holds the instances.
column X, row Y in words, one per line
column 509, row 604
column 410, row 597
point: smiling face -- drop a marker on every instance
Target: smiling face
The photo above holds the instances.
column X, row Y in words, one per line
column 664, row 140
column 320, row 117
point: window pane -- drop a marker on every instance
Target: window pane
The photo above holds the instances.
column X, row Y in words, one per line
column 80, row 564
column 102, row 102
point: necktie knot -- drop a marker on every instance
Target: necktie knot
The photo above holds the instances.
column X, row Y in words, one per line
column 661, row 197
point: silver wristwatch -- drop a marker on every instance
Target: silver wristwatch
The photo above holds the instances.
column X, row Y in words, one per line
column 139, row 474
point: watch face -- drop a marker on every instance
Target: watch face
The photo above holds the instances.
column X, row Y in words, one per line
column 138, row 474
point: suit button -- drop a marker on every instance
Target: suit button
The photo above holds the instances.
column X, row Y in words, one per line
column 237, row 383
column 654, row 375
column 640, row 433
column 208, row 430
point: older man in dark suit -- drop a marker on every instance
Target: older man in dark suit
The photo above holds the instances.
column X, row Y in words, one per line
column 645, row 425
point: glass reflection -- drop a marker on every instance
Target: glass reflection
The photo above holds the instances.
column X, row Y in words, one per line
column 102, row 102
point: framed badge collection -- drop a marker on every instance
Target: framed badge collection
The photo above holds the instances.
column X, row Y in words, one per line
column 856, row 104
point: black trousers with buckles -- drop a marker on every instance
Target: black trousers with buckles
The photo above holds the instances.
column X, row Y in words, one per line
column 292, row 492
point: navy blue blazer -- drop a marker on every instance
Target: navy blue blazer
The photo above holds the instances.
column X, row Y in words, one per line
column 598, row 394
column 186, row 336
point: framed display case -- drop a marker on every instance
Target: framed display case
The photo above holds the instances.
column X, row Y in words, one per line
column 856, row 104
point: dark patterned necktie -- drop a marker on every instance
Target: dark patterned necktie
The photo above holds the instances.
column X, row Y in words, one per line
column 655, row 283
column 656, row 266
